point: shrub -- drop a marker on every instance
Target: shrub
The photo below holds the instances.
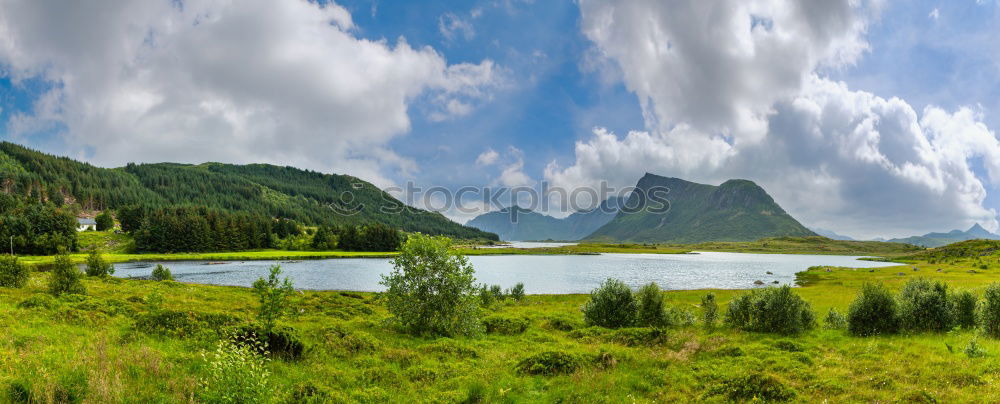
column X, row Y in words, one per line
column 282, row 342
column 517, row 292
column 161, row 273
column 924, row 306
column 430, row 290
column 273, row 296
column 237, row 373
column 44, row 301
column 989, row 312
column 611, row 305
column 13, row 274
column 65, row 277
column 104, row 221
column 709, row 311
column 651, row 310
column 777, row 310
column 873, row 312
column 974, row 350
column 964, row 306
column 505, row 325
column 834, row 320
column 753, row 387
column 97, row 266
column 562, row 323
column 549, row 363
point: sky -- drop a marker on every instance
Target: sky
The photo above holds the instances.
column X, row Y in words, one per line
column 871, row 118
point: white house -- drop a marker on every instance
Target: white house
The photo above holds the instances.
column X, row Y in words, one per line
column 84, row 224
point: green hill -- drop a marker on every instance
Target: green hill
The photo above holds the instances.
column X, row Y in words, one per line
column 309, row 197
column 737, row 210
column 941, row 239
column 516, row 223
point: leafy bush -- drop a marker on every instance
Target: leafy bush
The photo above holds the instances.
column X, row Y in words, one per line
column 563, row 323
column 490, row 294
column 549, row 363
column 161, row 273
column 505, row 325
column 974, row 350
column 924, row 306
column 65, row 277
column 777, row 310
column 13, row 274
column 282, row 342
column 964, row 306
column 651, row 310
column 989, row 312
column 237, row 373
column 753, row 387
column 611, row 305
column 709, row 311
column 273, row 296
column 517, row 292
column 104, row 221
column 97, row 266
column 834, row 320
column 44, row 301
column 430, row 290
column 873, row 312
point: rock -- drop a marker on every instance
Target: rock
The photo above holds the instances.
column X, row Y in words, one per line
column 770, row 273
column 915, row 269
column 901, row 274
column 871, row 270
column 758, row 282
column 972, row 271
column 829, row 270
column 775, row 282
column 939, row 270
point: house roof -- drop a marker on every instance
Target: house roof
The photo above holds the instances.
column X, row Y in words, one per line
column 86, row 221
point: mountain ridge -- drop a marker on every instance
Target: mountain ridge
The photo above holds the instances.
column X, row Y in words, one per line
column 532, row 225
column 938, row 239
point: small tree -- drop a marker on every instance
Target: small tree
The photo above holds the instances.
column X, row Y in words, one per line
column 709, row 311
column 989, row 311
column 964, row 305
column 65, row 277
column 161, row 273
column 611, row 305
column 431, row 289
column 873, row 312
column 651, row 310
column 517, row 292
column 273, row 294
column 13, row 274
column 924, row 306
column 777, row 310
column 104, row 221
column 97, row 266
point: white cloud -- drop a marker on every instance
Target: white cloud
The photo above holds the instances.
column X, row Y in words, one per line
column 451, row 26
column 250, row 81
column 488, row 157
column 732, row 89
column 513, row 173
column 935, row 14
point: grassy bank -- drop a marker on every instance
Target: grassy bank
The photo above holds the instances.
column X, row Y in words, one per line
column 103, row 348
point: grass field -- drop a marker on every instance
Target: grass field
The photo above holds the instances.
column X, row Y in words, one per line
column 97, row 348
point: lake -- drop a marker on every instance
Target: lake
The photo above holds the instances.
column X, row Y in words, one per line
column 541, row 274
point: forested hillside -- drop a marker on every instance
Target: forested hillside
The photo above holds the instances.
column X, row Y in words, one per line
column 309, row 197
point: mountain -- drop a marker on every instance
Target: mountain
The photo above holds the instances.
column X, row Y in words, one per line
column 309, row 197
column 516, row 223
column 832, row 235
column 737, row 210
column 941, row 239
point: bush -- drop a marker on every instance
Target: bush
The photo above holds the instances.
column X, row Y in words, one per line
column 97, row 266
column 282, row 342
column 430, row 290
column 709, row 311
column 873, row 312
column 611, row 305
column 834, row 320
column 964, row 306
column 13, row 274
column 753, row 387
column 517, row 292
column 65, row 277
column 104, row 221
column 777, row 310
column 563, row 323
column 924, row 306
column 237, row 373
column 549, row 363
column 273, row 296
column 651, row 310
column 505, row 325
column 989, row 312
column 44, row 301
column 974, row 350
column 161, row 273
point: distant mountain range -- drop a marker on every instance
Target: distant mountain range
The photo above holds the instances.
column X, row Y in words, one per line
column 519, row 224
column 832, row 235
column 940, row 239
column 737, row 210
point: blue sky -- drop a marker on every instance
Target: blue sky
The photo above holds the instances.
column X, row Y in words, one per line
column 530, row 80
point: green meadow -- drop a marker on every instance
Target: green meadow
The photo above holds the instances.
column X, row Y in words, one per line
column 148, row 341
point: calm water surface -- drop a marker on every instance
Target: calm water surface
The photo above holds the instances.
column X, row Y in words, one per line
column 540, row 273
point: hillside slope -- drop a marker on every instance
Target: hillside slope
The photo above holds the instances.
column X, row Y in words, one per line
column 307, row 196
column 941, row 239
column 518, row 224
column 737, row 210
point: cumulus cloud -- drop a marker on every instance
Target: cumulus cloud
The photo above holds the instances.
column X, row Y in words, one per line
column 451, row 26
column 487, row 157
column 249, row 81
column 734, row 89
